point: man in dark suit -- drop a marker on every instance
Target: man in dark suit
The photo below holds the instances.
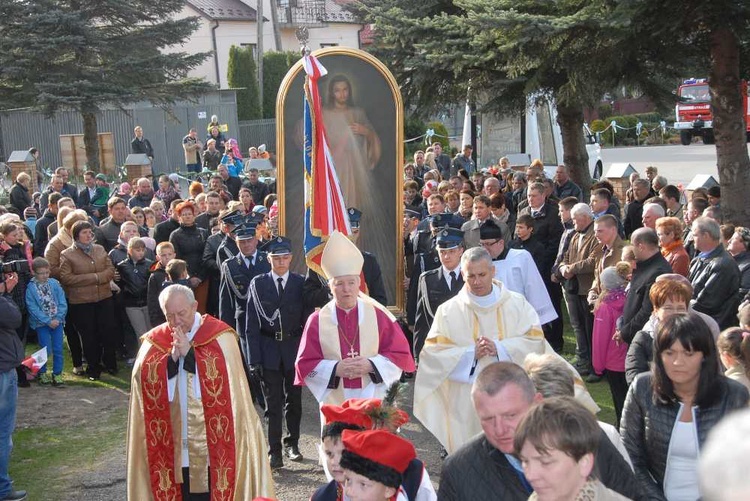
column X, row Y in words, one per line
column 438, row 285
column 317, row 292
column 236, row 275
column 219, row 247
column 275, row 320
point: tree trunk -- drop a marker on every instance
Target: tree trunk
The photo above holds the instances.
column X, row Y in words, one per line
column 729, row 127
column 90, row 137
column 576, row 158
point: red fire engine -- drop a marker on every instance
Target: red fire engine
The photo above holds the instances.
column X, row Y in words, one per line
column 693, row 113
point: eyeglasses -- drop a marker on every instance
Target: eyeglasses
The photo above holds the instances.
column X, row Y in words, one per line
column 490, row 243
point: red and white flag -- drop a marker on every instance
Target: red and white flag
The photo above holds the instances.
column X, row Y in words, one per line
column 36, row 361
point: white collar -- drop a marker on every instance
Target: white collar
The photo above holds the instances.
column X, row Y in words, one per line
column 283, row 277
column 195, row 327
column 334, row 316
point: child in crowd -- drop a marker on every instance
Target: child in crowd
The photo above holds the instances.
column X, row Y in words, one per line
column 608, row 356
column 177, row 273
column 133, row 283
column 734, row 349
column 150, row 218
column 47, row 307
column 164, row 253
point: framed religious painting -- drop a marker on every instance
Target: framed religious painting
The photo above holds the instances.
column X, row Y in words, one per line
column 363, row 117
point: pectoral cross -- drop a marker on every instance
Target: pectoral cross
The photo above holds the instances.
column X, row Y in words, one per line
column 352, row 353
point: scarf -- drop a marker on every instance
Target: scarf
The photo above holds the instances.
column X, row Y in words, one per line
column 87, row 248
column 671, row 247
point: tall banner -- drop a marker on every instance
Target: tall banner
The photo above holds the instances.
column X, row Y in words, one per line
column 324, row 203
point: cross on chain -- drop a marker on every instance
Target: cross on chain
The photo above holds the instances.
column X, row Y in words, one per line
column 352, row 353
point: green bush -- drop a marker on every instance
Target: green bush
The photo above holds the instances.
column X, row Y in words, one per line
column 440, row 130
column 242, row 75
column 413, row 127
column 598, row 125
column 275, row 67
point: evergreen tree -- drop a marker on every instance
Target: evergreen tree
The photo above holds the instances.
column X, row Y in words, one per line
column 242, row 75
column 275, row 67
column 68, row 54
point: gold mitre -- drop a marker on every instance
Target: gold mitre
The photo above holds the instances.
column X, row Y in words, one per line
column 341, row 257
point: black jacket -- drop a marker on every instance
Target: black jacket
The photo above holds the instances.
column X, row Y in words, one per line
column 41, row 238
column 134, row 281
column 743, row 262
column 638, row 306
column 646, row 427
column 432, row 291
column 20, row 198
column 548, row 230
column 259, row 190
column 640, row 355
column 203, row 220
column 189, row 242
column 479, row 471
column 633, row 217
column 233, row 185
column 716, row 284
column 153, row 289
column 163, row 230
column 142, row 146
column 11, row 348
column 140, row 200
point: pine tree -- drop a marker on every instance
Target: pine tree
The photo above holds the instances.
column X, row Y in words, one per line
column 242, row 75
column 68, row 54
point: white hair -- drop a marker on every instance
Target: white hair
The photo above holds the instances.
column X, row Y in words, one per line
column 475, row 254
column 723, row 460
column 582, row 209
column 174, row 290
column 656, row 209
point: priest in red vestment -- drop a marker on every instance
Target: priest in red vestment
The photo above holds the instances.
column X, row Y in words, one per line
column 352, row 347
column 193, row 433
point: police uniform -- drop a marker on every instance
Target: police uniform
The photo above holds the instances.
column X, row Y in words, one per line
column 219, row 247
column 434, row 289
column 275, row 320
column 317, row 292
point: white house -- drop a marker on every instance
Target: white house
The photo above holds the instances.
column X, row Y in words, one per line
column 224, row 23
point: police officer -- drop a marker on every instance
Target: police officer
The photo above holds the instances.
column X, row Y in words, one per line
column 219, row 247
column 438, row 285
column 317, row 292
column 236, row 275
column 275, row 319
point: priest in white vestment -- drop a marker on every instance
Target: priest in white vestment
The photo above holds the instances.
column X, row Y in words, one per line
column 352, row 347
column 516, row 270
column 484, row 323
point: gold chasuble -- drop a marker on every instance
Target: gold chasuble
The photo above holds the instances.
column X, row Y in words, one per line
column 225, row 435
column 442, row 390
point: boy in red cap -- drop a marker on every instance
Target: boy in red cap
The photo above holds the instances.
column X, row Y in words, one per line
column 374, row 463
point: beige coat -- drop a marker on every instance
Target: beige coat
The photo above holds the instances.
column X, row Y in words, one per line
column 581, row 257
column 86, row 278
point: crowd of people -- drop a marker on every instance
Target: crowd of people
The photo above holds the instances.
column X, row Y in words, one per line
column 194, row 291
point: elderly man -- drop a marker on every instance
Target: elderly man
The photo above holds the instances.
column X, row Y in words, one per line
column 20, row 197
column 352, row 347
column 515, row 269
column 55, row 186
column 577, row 269
column 484, row 323
column 491, row 186
column 649, row 265
column 657, row 184
column 634, row 210
column 693, row 211
column 68, row 189
column 652, row 212
column 144, row 193
column 192, row 428
column 564, row 187
column 485, row 467
column 714, row 275
column 212, row 156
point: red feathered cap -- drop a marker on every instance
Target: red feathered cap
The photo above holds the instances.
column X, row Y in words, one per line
column 380, row 446
column 336, row 413
column 364, row 405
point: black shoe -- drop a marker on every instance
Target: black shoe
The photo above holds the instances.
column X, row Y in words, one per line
column 15, row 496
column 276, row 460
column 583, row 371
column 94, row 376
column 293, row 453
column 112, row 372
column 593, row 378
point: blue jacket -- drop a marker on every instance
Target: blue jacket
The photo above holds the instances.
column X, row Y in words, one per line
column 37, row 316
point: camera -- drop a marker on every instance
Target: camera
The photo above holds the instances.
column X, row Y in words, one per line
column 17, row 266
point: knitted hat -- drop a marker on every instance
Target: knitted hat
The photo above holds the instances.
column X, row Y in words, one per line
column 378, row 455
column 610, row 279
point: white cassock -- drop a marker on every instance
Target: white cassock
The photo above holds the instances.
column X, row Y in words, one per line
column 519, row 273
column 442, row 390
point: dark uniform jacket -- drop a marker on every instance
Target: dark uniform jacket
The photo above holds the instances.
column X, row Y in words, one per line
column 432, row 292
column 234, row 287
column 423, row 261
column 716, row 284
column 479, row 471
column 317, row 293
column 274, row 346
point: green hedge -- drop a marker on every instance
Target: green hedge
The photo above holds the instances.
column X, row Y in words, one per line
column 626, row 137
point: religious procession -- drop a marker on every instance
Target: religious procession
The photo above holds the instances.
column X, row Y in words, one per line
column 389, row 293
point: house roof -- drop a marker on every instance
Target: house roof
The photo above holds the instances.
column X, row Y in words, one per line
column 224, row 9
column 336, row 12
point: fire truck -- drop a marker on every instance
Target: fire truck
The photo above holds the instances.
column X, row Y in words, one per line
column 693, row 113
